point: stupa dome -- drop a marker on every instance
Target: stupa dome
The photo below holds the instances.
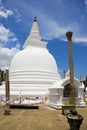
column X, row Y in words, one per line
column 34, row 59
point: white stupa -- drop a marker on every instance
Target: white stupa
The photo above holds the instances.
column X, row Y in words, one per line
column 33, row 70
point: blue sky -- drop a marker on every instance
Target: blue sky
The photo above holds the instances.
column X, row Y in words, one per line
column 55, row 18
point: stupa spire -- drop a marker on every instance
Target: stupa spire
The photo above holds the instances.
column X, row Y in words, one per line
column 35, row 19
column 34, row 39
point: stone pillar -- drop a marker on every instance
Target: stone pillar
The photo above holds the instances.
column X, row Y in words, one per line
column 64, row 72
column 7, row 89
column 72, row 86
column 0, row 77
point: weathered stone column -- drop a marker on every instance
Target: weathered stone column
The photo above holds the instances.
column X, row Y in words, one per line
column 72, row 87
column 0, row 77
column 7, row 89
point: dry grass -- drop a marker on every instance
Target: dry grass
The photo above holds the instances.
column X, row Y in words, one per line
column 37, row 119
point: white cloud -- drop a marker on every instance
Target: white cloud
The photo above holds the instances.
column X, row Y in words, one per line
column 54, row 30
column 17, row 15
column 6, row 56
column 51, row 29
column 6, row 35
column 4, row 12
column 84, row 39
column 85, row 1
column 18, row 45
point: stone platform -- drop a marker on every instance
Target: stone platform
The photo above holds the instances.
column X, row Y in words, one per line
column 23, row 106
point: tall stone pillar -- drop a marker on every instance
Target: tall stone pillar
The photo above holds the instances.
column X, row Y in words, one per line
column 7, row 88
column 0, row 77
column 72, row 86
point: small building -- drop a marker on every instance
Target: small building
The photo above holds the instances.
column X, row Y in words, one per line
column 59, row 93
